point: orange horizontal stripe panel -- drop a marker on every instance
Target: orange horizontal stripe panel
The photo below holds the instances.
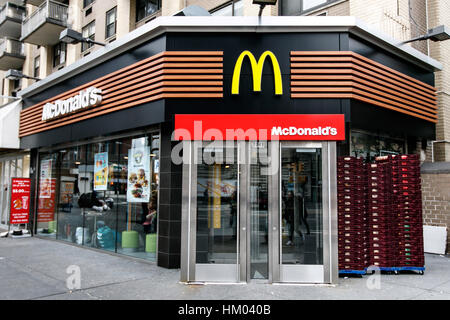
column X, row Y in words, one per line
column 360, row 57
column 344, row 74
column 169, row 74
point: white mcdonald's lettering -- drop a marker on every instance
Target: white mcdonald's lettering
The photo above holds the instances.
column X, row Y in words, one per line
column 85, row 99
column 294, row 131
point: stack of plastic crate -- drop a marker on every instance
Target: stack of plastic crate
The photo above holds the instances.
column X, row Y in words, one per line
column 351, row 212
column 381, row 218
column 408, row 207
column 366, row 217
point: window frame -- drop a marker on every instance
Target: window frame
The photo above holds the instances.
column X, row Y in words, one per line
column 145, row 9
column 38, row 68
column 113, row 23
column 87, row 3
column 57, row 63
column 231, row 3
column 302, row 12
column 84, row 45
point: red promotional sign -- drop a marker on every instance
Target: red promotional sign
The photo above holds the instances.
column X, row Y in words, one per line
column 20, row 201
column 208, row 127
column 46, row 204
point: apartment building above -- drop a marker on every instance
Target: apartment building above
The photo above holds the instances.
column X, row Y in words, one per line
column 43, row 26
column 11, row 17
column 12, row 55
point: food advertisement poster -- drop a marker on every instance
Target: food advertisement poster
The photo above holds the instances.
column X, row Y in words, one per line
column 20, row 201
column 138, row 174
column 66, row 192
column 101, row 171
column 46, row 204
column 45, row 190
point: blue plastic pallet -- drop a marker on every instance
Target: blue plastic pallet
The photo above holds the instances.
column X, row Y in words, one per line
column 388, row 268
column 411, row 268
column 401, row 268
column 352, row 271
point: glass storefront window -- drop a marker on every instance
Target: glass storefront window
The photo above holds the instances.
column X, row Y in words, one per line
column 138, row 200
column 99, row 195
column 369, row 146
column 102, row 195
column 69, row 212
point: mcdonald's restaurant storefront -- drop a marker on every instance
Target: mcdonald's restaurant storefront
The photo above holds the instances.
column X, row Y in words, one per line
column 210, row 145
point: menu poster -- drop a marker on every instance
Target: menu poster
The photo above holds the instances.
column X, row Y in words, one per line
column 45, row 185
column 101, row 171
column 138, row 174
column 20, row 201
column 46, row 204
column 66, row 192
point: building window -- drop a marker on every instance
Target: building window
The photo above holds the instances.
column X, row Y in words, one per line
column 87, row 3
column 59, row 54
column 37, row 66
column 88, row 32
column 111, row 23
column 17, row 84
column 370, row 145
column 145, row 8
column 294, row 8
column 230, row 8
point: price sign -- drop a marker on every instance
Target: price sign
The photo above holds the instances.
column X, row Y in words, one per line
column 20, row 201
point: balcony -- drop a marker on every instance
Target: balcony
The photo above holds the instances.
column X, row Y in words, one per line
column 11, row 17
column 45, row 24
column 35, row 2
column 12, row 54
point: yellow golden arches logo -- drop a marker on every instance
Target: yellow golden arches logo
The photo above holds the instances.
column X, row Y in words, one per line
column 257, row 69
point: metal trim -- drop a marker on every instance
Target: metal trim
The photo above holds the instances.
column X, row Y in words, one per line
column 274, row 216
column 185, row 214
column 334, row 267
column 193, row 211
column 243, row 198
column 325, row 212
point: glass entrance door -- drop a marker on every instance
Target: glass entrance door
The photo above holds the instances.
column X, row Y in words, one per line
column 303, row 216
column 258, row 212
column 217, row 214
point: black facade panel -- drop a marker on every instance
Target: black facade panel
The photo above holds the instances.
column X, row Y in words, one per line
column 377, row 119
column 135, row 118
column 232, row 45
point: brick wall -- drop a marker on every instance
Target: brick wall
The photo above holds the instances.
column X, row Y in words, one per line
column 436, row 196
column 418, row 18
column 389, row 16
column 340, row 9
column 207, row 4
column 439, row 14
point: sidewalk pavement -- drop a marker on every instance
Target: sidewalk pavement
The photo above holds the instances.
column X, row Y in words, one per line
column 34, row 268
